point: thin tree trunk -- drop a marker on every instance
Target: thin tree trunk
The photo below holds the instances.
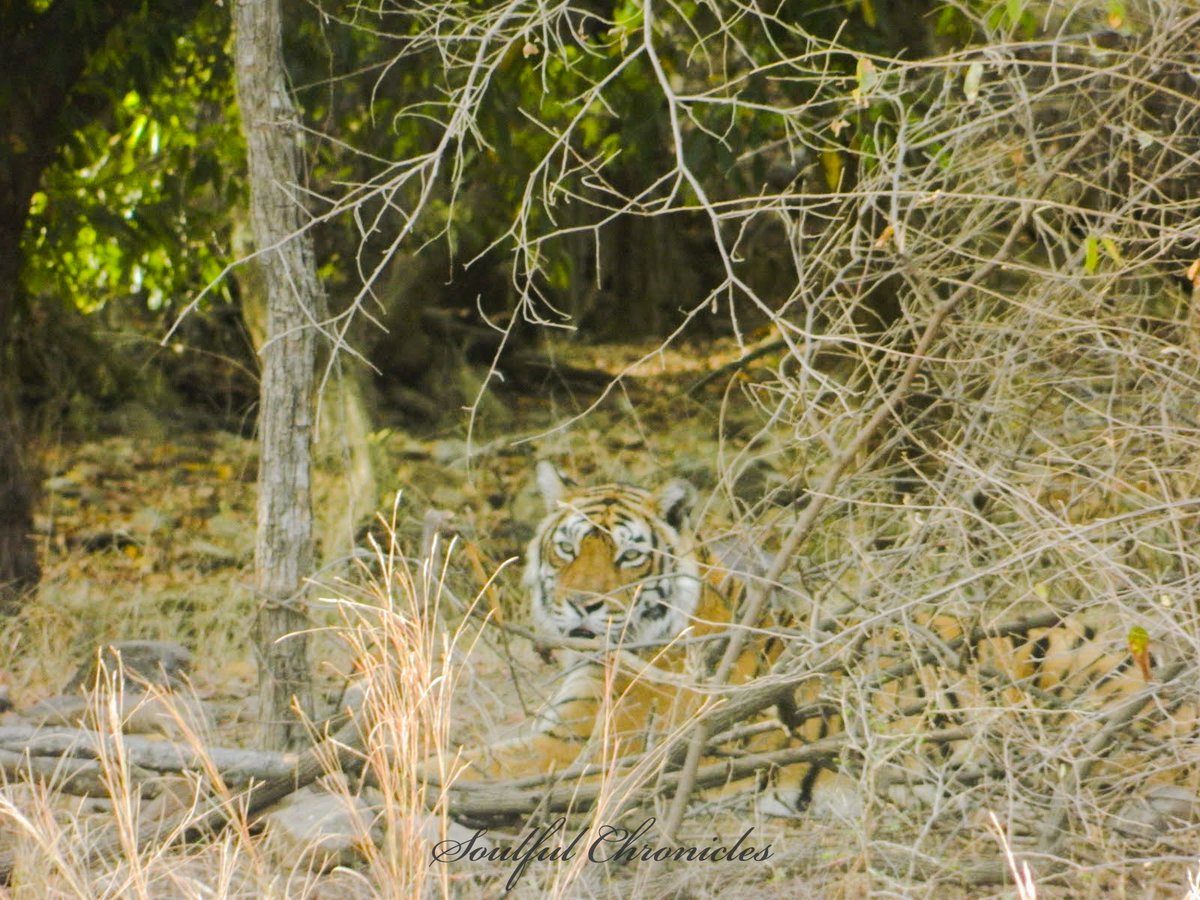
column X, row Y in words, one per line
column 284, row 542
column 18, row 557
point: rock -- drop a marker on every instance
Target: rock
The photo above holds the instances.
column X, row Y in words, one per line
column 313, row 831
column 154, row 714
column 449, row 451
column 208, row 556
column 148, row 521
column 63, row 486
column 352, row 699
column 161, row 663
column 169, row 795
column 431, row 830
column 340, row 884
column 66, row 709
column 625, row 438
column 230, row 530
column 1160, row 808
column 139, row 713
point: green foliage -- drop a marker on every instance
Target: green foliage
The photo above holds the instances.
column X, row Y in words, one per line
column 137, row 205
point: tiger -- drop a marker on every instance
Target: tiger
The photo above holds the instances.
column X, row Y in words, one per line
column 621, row 567
column 997, row 697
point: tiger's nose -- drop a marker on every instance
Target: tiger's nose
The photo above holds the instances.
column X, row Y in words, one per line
column 588, row 604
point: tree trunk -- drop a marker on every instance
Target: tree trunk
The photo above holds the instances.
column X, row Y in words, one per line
column 45, row 50
column 345, row 488
column 284, row 542
column 23, row 158
column 18, row 557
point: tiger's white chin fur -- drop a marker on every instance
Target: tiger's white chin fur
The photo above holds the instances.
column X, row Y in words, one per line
column 680, row 591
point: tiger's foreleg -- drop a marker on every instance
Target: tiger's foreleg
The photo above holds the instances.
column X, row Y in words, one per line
column 550, row 741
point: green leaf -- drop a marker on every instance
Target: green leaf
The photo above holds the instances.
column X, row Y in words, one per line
column 867, row 75
column 135, row 131
column 972, row 80
column 1091, row 254
column 1116, row 14
column 831, row 162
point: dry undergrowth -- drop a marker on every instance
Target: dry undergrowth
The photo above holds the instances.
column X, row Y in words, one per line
column 406, row 665
column 429, row 674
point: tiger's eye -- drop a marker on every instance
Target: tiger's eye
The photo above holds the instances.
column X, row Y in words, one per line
column 631, row 557
column 565, row 548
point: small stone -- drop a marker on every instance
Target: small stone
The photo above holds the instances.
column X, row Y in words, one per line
column 626, row 439
column 230, row 530
column 208, row 555
column 65, row 709
column 169, row 795
column 161, row 663
column 449, row 451
column 63, row 486
column 313, row 831
column 1161, row 808
column 147, row 521
column 173, row 717
column 138, row 713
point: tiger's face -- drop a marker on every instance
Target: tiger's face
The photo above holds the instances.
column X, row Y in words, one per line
column 611, row 562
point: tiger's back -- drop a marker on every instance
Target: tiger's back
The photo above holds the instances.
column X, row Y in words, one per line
column 1054, row 704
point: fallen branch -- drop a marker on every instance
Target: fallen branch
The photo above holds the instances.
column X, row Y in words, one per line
column 492, row 800
column 341, row 750
column 488, row 800
column 78, row 777
column 763, row 349
column 739, row 704
column 27, row 749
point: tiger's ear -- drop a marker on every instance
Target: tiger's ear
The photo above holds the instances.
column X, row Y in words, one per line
column 551, row 484
column 675, row 501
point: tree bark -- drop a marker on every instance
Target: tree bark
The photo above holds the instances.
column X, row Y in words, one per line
column 295, row 303
column 19, row 569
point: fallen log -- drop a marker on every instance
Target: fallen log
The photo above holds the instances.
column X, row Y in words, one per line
column 342, row 750
column 482, row 801
column 78, row 777
column 28, row 749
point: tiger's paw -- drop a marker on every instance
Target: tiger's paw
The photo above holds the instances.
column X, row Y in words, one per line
column 834, row 797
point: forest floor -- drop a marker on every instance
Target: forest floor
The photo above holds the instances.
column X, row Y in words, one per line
column 149, row 535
